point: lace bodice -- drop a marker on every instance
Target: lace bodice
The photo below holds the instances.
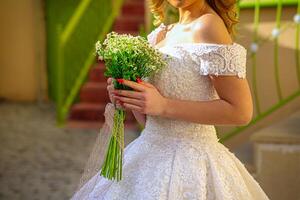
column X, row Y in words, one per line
column 186, row 78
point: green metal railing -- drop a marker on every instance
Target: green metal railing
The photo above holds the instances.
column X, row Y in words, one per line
column 266, row 3
column 90, row 22
column 257, row 42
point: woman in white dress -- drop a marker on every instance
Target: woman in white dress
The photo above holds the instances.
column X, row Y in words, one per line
column 178, row 155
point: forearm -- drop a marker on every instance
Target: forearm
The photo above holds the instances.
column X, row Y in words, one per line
column 212, row 112
column 140, row 117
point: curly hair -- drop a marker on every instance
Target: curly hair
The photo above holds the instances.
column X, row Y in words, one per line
column 226, row 9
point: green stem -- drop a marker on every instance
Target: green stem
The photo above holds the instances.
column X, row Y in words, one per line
column 112, row 167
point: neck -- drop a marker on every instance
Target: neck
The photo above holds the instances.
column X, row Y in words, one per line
column 191, row 12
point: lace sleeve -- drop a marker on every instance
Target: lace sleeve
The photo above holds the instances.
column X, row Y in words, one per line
column 152, row 36
column 221, row 59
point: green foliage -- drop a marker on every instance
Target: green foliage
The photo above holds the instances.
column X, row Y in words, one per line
column 267, row 3
column 78, row 46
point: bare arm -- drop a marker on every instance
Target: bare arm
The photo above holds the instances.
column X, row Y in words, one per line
column 233, row 108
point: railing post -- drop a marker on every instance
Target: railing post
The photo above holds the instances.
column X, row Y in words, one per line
column 276, row 50
column 297, row 48
column 254, row 65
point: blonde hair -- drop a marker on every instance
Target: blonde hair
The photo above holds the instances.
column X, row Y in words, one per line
column 226, row 9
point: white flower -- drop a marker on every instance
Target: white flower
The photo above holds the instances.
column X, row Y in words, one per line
column 297, row 18
column 98, row 45
column 275, row 32
column 254, row 47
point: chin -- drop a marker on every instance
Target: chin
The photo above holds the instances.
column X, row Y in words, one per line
column 177, row 3
column 181, row 3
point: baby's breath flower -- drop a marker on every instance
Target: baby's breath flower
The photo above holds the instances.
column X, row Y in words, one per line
column 129, row 56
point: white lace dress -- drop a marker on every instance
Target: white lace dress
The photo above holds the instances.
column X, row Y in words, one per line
column 180, row 160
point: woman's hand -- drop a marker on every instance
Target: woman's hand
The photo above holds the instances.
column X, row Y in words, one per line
column 144, row 97
column 110, row 89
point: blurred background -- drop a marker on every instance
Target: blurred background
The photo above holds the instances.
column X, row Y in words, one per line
column 53, row 92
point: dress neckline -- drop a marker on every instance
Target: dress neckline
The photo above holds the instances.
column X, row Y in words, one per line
column 195, row 44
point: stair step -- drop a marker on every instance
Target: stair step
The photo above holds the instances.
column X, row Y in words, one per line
column 88, row 111
column 124, row 29
column 126, row 24
column 94, row 92
column 138, row 19
column 96, row 73
column 251, row 169
column 93, row 112
column 96, row 125
column 136, row 9
column 139, row 2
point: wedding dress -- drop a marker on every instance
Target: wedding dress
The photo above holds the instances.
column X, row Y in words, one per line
column 180, row 160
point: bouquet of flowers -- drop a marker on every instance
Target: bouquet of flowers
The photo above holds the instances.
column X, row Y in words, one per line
column 131, row 58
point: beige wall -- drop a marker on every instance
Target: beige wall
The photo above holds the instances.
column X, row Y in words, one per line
column 22, row 52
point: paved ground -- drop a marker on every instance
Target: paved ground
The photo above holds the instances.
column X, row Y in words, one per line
column 40, row 161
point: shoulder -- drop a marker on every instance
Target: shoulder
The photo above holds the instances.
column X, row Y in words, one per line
column 210, row 28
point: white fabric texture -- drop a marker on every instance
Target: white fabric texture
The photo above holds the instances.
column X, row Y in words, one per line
column 175, row 159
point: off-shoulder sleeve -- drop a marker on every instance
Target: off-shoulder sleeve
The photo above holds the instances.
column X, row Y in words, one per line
column 152, row 36
column 221, row 59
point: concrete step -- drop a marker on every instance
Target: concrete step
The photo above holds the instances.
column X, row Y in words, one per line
column 96, row 125
column 93, row 112
column 134, row 1
column 138, row 19
column 88, row 111
column 251, row 169
column 94, row 92
column 96, row 73
column 126, row 24
column 277, row 157
column 133, row 9
column 245, row 154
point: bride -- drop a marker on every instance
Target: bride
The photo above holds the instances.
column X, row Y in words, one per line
column 178, row 155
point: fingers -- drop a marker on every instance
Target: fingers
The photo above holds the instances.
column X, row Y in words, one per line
column 129, row 100
column 110, row 87
column 119, row 105
column 109, row 80
column 132, row 84
column 129, row 93
column 146, row 84
column 133, row 107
